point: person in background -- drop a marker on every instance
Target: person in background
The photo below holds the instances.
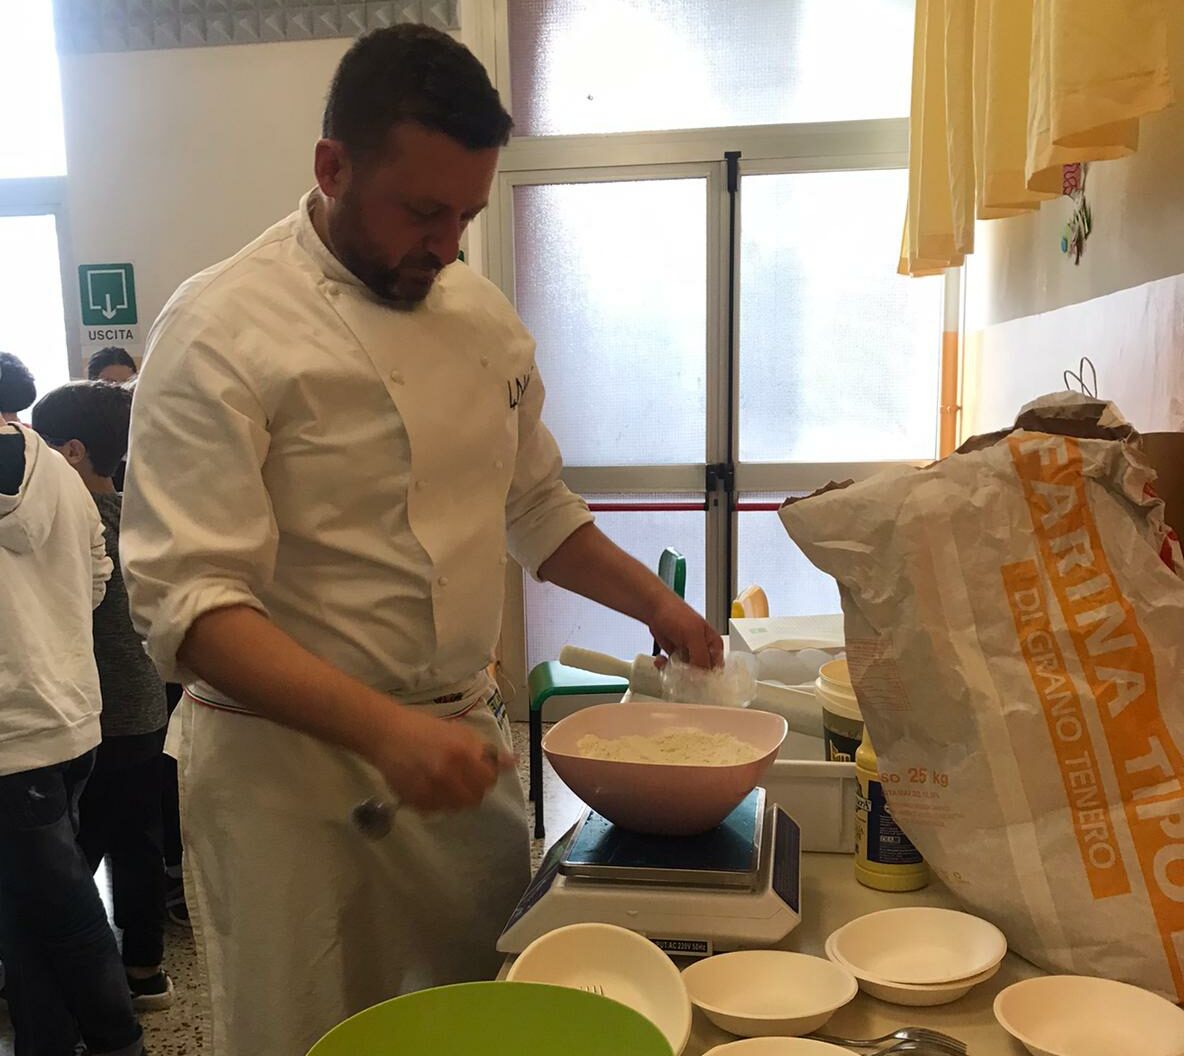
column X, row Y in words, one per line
column 337, row 437
column 111, row 364
column 18, row 390
column 115, row 365
column 66, row 986
column 120, row 812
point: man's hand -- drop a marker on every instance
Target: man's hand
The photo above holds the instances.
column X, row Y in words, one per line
column 431, row 764
column 589, row 563
column 435, row 765
column 682, row 632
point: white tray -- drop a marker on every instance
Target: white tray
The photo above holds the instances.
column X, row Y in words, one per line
column 821, row 798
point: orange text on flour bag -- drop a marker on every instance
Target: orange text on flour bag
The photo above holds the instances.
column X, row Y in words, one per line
column 1120, row 673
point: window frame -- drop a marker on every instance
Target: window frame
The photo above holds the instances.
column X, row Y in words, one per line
column 877, row 143
column 49, row 196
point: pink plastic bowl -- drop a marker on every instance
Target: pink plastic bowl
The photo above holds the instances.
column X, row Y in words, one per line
column 655, row 797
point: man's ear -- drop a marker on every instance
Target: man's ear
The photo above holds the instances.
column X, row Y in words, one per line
column 332, row 167
column 73, row 451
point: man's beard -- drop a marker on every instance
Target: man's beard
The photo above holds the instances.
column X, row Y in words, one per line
column 403, row 286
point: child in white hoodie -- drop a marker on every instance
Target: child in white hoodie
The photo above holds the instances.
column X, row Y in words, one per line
column 65, row 981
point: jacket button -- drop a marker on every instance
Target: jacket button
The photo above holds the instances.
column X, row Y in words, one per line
column 498, row 464
column 443, row 581
column 485, row 361
column 420, row 485
column 434, row 671
column 396, row 377
column 333, row 290
column 502, row 560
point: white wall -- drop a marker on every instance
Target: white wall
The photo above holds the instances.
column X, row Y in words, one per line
column 1031, row 313
column 1017, row 268
column 178, row 158
column 1137, row 204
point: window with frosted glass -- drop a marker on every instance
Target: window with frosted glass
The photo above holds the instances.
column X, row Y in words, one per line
column 769, row 559
column 556, row 618
column 580, row 66
column 611, row 278
column 839, row 355
column 32, row 324
column 30, row 94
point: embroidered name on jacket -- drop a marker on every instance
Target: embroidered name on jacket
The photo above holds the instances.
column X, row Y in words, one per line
column 516, row 388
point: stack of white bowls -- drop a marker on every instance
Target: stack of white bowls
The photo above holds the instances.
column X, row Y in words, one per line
column 918, row 955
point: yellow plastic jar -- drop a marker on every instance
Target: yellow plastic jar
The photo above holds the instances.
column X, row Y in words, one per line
column 885, row 858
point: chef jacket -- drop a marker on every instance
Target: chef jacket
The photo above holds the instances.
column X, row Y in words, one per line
column 355, row 471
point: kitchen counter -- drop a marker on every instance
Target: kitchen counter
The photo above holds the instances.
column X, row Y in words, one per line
column 830, row 897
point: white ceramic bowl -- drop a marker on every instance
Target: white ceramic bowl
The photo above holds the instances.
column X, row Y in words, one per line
column 616, row 962
column 1074, row 1015
column 914, row 995
column 760, row 993
column 669, row 800
column 778, row 1047
column 921, row 945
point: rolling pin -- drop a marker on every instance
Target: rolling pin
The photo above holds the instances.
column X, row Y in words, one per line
column 643, row 676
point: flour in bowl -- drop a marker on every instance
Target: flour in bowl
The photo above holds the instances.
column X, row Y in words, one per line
column 677, row 746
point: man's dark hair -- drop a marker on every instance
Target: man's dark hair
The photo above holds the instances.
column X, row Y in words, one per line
column 94, row 412
column 18, row 390
column 111, row 356
column 412, row 73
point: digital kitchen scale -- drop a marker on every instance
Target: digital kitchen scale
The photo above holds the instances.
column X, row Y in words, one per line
column 737, row 886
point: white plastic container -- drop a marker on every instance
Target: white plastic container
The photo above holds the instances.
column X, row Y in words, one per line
column 821, row 798
column 825, row 708
column 842, row 721
column 778, row 641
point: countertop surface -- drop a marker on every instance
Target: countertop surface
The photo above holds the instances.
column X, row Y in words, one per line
column 831, row 896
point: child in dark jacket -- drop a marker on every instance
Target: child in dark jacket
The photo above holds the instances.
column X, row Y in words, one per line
column 88, row 422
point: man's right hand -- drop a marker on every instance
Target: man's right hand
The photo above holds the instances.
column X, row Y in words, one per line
column 437, row 765
column 431, row 764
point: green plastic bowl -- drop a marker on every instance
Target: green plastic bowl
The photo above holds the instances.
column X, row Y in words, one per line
column 495, row 1019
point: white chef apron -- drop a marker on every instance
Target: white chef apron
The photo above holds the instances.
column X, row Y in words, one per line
column 301, row 920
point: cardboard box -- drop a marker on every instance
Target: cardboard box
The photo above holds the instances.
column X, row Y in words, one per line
column 1165, row 451
column 787, row 632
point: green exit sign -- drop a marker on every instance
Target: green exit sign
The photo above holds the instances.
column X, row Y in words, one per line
column 107, row 293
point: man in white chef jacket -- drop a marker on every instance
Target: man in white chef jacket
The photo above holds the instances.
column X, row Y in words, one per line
column 336, row 440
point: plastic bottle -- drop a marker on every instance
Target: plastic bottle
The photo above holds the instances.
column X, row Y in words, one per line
column 885, row 858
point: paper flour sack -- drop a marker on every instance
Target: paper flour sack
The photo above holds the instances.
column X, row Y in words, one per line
column 1015, row 631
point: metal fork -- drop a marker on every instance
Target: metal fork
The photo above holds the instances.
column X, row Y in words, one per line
column 920, row 1035
column 593, row 988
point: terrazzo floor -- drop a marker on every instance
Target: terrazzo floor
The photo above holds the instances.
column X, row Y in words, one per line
column 182, row 1029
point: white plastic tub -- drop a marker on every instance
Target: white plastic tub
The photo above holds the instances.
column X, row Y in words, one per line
column 820, row 797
